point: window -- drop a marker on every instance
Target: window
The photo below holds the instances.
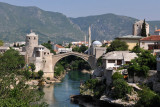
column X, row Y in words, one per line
column 111, row 61
column 34, row 38
column 119, row 62
column 29, row 38
column 37, row 54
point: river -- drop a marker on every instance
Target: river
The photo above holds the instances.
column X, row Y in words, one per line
column 58, row 94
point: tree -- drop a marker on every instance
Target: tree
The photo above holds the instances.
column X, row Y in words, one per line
column 13, row 88
column 117, row 45
column 121, row 88
column 142, row 64
column 33, row 67
column 40, row 73
column 1, row 43
column 83, row 48
column 148, row 98
column 49, row 46
column 11, row 61
column 137, row 49
column 116, row 76
column 76, row 49
column 143, row 30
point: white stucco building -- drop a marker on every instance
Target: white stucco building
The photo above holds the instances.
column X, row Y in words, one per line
column 150, row 43
column 115, row 59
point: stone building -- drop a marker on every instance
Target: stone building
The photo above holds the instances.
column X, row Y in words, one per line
column 39, row 55
column 96, row 49
column 137, row 27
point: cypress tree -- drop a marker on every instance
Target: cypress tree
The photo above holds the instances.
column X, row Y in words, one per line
column 143, row 30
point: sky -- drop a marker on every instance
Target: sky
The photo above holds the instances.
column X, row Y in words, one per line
column 140, row 9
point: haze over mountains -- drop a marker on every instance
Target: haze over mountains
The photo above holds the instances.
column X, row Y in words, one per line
column 16, row 22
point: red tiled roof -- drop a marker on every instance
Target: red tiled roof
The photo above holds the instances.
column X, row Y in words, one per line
column 59, row 46
column 151, row 38
column 158, row 30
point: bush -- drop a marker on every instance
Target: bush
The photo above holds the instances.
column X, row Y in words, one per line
column 34, row 75
column 121, row 88
column 95, row 87
column 148, row 98
column 48, row 78
column 40, row 73
column 27, row 74
column 116, row 76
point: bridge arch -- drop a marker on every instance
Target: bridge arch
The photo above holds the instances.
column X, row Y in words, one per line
column 88, row 58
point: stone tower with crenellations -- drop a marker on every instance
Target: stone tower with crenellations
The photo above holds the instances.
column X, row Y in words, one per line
column 39, row 55
column 31, row 43
column 137, row 27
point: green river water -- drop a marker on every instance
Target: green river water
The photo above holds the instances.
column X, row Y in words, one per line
column 58, row 94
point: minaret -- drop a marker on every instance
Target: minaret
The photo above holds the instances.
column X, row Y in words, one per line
column 85, row 40
column 155, row 28
column 89, row 37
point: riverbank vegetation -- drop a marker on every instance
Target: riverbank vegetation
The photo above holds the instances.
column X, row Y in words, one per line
column 92, row 87
column 13, row 87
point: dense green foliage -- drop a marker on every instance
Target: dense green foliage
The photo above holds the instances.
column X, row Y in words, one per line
column 143, row 30
column 137, row 49
column 96, row 87
column 148, row 98
column 121, row 88
column 11, row 61
column 40, row 73
column 33, row 67
column 99, row 61
column 1, row 43
column 142, row 64
column 27, row 74
column 116, row 76
column 59, row 70
column 49, row 46
column 117, row 45
column 13, row 88
column 82, row 49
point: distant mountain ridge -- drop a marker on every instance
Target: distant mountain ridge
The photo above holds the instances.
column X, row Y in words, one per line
column 17, row 21
column 110, row 26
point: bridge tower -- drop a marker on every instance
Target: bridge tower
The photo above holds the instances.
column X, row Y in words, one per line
column 31, row 43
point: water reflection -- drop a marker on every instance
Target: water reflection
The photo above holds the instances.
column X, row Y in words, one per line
column 58, row 95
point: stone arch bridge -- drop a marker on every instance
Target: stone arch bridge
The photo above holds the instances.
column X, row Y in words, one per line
column 88, row 58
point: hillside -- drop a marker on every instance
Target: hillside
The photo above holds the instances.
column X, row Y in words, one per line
column 16, row 21
column 109, row 26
